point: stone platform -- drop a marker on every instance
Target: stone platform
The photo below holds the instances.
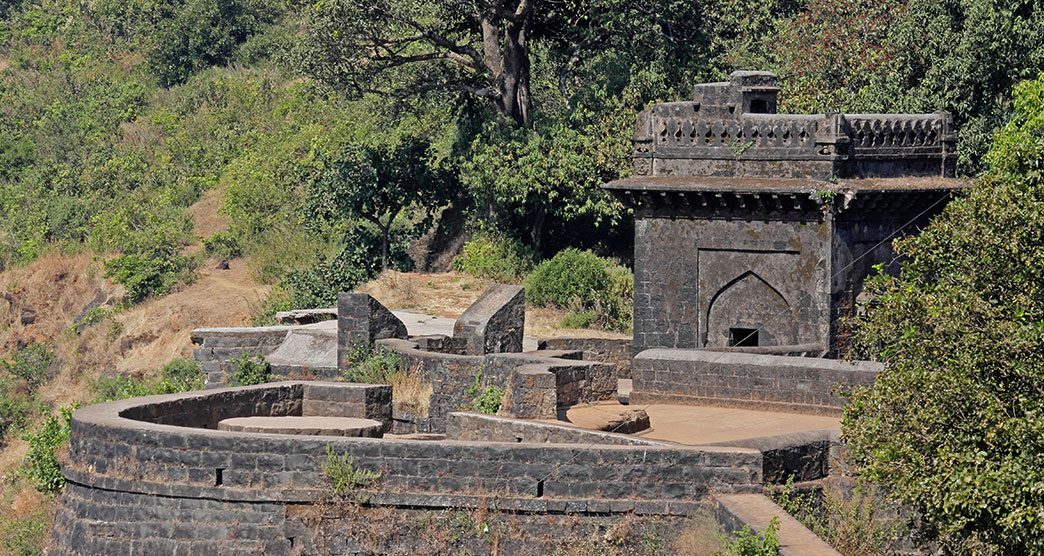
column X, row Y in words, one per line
column 308, row 425
column 702, row 425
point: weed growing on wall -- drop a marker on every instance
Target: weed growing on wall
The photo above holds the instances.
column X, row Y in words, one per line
column 346, row 479
column 249, row 370
column 483, row 399
column 371, row 364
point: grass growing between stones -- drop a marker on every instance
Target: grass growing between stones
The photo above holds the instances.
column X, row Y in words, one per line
column 346, row 479
column 371, row 364
column 485, row 399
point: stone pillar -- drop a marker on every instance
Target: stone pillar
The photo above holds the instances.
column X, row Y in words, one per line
column 495, row 322
column 361, row 319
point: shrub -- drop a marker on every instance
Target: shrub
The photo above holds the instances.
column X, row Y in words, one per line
column 356, row 262
column 346, row 478
column 498, row 258
column 592, row 288
column 249, row 370
column 483, row 399
column 371, row 364
column 223, row 245
column 183, row 373
column 41, row 461
column 751, row 543
column 953, row 426
column 15, row 410
column 145, row 276
column 35, row 364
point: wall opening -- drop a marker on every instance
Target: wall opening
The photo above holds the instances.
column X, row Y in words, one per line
column 218, row 476
column 540, row 488
column 743, row 337
column 759, row 106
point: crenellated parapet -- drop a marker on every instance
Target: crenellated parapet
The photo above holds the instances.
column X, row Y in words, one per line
column 732, row 129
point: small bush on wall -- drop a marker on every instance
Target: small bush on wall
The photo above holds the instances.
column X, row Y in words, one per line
column 248, row 370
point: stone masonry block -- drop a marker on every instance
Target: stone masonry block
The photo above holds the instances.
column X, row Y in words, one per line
column 361, row 319
column 494, row 323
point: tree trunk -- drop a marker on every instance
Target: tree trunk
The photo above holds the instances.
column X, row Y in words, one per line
column 385, row 232
column 537, row 233
column 505, row 52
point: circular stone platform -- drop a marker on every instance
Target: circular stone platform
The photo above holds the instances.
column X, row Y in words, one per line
column 313, row 425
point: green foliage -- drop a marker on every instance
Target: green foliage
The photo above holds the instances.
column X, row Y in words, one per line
column 592, row 288
column 752, row 543
column 41, row 461
column 223, row 245
column 249, row 370
column 915, row 56
column 203, row 33
column 35, row 364
column 357, row 261
column 860, row 523
column 347, row 479
column 146, row 276
column 498, row 258
column 371, row 364
column 179, row 375
column 483, row 398
column 953, row 426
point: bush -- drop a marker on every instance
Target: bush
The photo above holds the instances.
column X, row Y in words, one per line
column 35, row 364
column 369, row 364
column 752, row 543
column 358, row 261
column 592, row 288
column 145, row 276
column 483, row 399
column 15, row 410
column 184, row 374
column 953, row 426
column 498, row 258
column 223, row 245
column 249, row 370
column 41, row 461
column 179, row 375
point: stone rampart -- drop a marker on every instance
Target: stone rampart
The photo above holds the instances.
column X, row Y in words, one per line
column 801, row 384
column 617, row 351
column 216, row 347
column 489, row 428
column 145, row 476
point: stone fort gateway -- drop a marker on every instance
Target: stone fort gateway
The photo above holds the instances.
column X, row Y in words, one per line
column 754, row 232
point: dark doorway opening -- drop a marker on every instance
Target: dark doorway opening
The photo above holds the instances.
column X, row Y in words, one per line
column 759, row 106
column 743, row 337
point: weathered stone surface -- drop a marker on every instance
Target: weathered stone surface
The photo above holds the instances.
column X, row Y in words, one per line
column 495, row 322
column 805, row 384
column 361, row 319
column 305, row 425
column 306, row 348
column 306, row 316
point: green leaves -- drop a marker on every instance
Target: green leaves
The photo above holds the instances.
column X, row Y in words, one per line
column 955, row 425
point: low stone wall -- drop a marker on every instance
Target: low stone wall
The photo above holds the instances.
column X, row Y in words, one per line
column 536, row 384
column 215, row 347
column 489, row 428
column 800, row 384
column 152, row 485
column 617, row 351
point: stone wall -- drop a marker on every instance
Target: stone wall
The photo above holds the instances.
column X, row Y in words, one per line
column 135, row 485
column 802, row 384
column 451, row 377
column 215, row 347
column 478, row 427
column 617, row 351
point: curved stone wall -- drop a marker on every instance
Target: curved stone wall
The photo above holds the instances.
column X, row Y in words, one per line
column 152, row 474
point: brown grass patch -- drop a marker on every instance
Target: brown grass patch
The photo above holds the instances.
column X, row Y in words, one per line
column 411, row 393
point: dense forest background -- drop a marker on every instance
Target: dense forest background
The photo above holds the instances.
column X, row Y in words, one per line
column 343, row 137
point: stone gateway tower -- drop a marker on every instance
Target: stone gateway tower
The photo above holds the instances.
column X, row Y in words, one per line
column 757, row 229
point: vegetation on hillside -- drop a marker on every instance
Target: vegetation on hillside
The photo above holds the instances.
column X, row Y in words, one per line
column 954, row 426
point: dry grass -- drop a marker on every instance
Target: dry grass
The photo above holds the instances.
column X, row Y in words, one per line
column 702, row 537
column 449, row 294
column 412, row 394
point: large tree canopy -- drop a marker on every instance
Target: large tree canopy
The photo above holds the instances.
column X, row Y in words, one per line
column 955, row 424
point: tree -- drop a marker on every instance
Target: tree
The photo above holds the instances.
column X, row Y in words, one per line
column 376, row 183
column 954, row 426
